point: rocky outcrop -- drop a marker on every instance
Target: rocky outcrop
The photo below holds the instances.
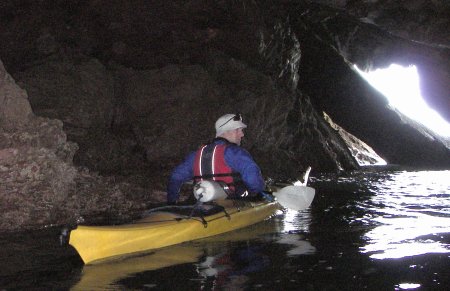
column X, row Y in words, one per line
column 39, row 183
column 35, row 160
column 159, row 115
column 422, row 21
column 363, row 153
column 80, row 92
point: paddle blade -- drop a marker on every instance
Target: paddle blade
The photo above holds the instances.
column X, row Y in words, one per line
column 295, row 197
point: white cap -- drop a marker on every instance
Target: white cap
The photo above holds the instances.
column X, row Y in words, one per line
column 229, row 122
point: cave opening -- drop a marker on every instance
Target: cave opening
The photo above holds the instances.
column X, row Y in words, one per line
column 401, row 86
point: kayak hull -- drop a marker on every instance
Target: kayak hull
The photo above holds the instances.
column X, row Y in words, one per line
column 161, row 229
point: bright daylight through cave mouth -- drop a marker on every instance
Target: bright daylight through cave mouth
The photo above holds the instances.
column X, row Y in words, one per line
column 400, row 85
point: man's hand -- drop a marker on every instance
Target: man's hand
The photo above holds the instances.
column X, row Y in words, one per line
column 267, row 196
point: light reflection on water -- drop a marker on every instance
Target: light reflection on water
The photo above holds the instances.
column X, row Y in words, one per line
column 293, row 223
column 407, row 286
column 296, row 221
column 366, row 230
column 402, row 214
column 225, row 260
column 412, row 212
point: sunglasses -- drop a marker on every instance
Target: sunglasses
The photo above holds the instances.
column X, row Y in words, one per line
column 236, row 117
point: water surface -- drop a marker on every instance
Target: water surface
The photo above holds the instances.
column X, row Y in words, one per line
column 366, row 230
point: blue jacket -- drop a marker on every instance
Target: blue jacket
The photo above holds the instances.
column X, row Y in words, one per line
column 237, row 158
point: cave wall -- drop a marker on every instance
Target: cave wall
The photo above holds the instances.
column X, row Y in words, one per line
column 291, row 42
column 159, row 115
column 285, row 40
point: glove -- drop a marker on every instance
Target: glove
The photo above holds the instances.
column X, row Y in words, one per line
column 267, row 196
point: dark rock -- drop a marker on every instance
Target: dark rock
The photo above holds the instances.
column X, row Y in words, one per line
column 39, row 183
column 15, row 110
column 79, row 92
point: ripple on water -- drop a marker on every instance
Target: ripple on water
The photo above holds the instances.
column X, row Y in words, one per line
column 416, row 206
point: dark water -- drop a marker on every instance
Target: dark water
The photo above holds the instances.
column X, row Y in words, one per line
column 364, row 231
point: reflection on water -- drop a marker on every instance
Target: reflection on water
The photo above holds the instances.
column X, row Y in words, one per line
column 366, row 230
column 298, row 246
column 104, row 276
column 224, row 260
column 296, row 221
column 412, row 211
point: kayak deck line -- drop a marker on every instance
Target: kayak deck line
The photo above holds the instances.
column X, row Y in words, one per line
column 198, row 217
column 163, row 228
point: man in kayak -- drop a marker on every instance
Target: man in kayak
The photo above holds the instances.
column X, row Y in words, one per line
column 221, row 160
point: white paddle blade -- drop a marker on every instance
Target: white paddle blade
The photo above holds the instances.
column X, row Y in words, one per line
column 295, row 197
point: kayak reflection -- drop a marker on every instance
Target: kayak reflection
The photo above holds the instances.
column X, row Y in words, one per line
column 102, row 276
column 230, row 270
column 223, row 259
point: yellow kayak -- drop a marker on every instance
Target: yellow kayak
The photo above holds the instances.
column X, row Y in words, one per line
column 97, row 276
column 161, row 229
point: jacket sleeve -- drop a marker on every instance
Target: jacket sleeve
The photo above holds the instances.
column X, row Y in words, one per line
column 241, row 161
column 182, row 173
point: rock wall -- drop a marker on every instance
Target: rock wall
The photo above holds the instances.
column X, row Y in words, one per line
column 77, row 91
column 159, row 115
column 39, row 185
column 36, row 168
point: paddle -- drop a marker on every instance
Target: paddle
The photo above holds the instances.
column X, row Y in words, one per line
column 297, row 196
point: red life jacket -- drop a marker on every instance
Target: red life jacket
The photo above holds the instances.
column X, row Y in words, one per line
column 210, row 164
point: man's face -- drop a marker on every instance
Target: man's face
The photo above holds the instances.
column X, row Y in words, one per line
column 234, row 136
